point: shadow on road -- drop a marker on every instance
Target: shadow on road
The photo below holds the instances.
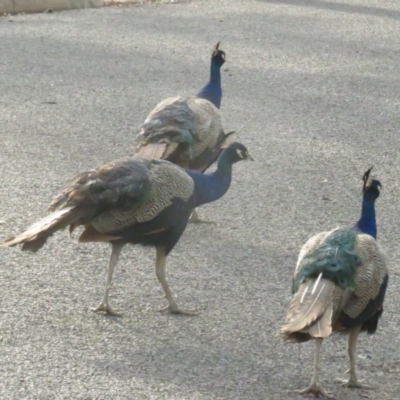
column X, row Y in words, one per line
column 341, row 7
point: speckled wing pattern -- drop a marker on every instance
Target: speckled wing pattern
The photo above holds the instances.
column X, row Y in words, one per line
column 126, row 192
column 180, row 130
column 117, row 195
column 318, row 302
column 369, row 276
column 167, row 181
column 118, row 183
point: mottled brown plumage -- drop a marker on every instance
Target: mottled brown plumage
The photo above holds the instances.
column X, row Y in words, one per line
column 134, row 200
column 317, row 295
column 185, row 131
column 115, row 196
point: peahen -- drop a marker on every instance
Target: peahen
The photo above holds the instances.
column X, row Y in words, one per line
column 339, row 285
column 213, row 90
column 137, row 201
column 185, row 131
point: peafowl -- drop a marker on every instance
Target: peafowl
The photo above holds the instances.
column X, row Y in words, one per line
column 185, row 131
column 133, row 200
column 339, row 284
column 213, row 90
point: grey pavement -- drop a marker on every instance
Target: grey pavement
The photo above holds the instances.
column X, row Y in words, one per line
column 312, row 87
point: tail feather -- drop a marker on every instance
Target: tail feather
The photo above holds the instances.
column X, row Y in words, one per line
column 310, row 310
column 37, row 234
column 322, row 326
column 157, row 150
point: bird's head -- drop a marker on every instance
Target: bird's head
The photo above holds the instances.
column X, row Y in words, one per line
column 236, row 152
column 218, row 56
column 371, row 187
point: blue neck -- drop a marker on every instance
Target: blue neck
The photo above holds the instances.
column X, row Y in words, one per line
column 211, row 187
column 215, row 72
column 367, row 222
column 213, row 91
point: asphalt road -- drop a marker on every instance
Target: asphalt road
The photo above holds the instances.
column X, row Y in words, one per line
column 313, row 89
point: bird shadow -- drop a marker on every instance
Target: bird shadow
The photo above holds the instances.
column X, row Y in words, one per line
column 340, row 7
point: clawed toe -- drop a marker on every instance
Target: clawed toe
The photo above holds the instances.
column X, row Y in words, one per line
column 105, row 307
column 351, row 383
column 177, row 310
column 317, row 391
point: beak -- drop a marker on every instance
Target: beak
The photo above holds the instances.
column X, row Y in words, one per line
column 249, row 158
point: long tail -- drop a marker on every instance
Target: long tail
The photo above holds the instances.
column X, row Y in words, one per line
column 37, row 234
column 310, row 311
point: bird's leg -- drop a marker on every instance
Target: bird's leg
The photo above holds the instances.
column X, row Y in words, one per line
column 195, row 218
column 173, row 308
column 104, row 305
column 314, row 386
column 353, row 381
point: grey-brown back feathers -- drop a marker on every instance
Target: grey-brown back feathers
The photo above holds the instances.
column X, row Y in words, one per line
column 117, row 195
column 181, row 130
column 321, row 302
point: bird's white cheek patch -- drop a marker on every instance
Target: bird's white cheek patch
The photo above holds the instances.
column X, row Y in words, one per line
column 239, row 153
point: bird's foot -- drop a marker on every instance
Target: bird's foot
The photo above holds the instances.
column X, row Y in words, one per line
column 354, row 383
column 316, row 390
column 105, row 307
column 176, row 310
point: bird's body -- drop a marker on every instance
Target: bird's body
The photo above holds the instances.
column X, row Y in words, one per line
column 339, row 285
column 212, row 91
column 134, row 200
column 185, row 131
